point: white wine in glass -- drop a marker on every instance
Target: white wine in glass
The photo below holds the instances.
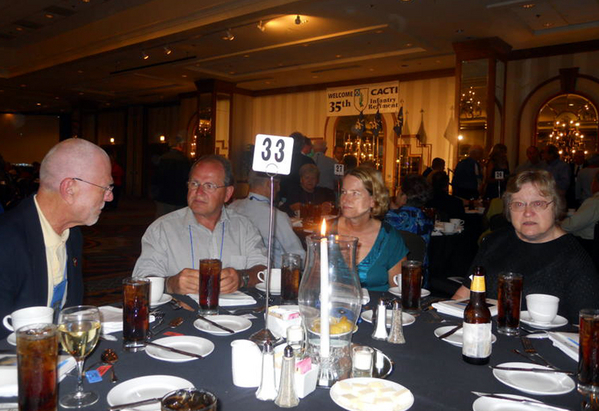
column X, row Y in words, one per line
column 79, row 328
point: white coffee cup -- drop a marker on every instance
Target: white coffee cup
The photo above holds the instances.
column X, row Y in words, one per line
column 457, row 223
column 397, row 280
column 275, row 278
column 29, row 315
column 448, row 227
column 542, row 307
column 246, row 363
column 156, row 288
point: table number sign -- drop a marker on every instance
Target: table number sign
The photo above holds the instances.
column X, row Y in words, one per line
column 499, row 175
column 339, row 169
column 272, row 154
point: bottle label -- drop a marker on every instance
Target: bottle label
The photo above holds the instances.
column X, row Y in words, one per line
column 477, row 340
column 478, row 284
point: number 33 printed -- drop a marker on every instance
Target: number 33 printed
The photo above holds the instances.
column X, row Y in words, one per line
column 279, row 155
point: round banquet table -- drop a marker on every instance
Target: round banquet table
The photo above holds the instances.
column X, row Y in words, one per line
column 432, row 369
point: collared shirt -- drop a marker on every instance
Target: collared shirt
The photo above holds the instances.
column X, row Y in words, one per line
column 582, row 222
column 56, row 252
column 176, row 241
column 257, row 208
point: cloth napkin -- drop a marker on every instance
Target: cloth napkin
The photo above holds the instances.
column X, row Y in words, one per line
column 112, row 319
column 230, row 300
column 567, row 342
column 456, row 308
column 8, row 375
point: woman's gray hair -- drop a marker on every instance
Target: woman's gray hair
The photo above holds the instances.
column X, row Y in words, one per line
column 215, row 158
column 543, row 181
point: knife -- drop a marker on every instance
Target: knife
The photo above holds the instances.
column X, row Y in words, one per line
column 175, row 350
column 451, row 332
column 541, row 370
column 134, row 404
column 183, row 305
column 520, row 400
column 217, row 325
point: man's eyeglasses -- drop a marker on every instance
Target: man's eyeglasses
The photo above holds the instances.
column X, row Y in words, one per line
column 519, row 206
column 107, row 189
column 207, row 187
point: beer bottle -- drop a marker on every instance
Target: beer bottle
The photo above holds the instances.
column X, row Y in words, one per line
column 476, row 348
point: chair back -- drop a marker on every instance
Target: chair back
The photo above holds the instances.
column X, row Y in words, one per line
column 416, row 245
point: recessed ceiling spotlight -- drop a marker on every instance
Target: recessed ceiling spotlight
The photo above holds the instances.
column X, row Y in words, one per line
column 547, row 25
column 246, row 55
column 19, row 28
column 167, row 50
column 261, row 26
column 231, row 72
column 370, row 69
column 228, row 36
column 80, row 71
column 184, row 75
column 144, row 55
column 298, row 20
column 49, row 15
column 528, row 6
column 81, row 93
column 338, row 56
column 408, row 44
column 314, row 76
column 459, row 31
column 38, row 104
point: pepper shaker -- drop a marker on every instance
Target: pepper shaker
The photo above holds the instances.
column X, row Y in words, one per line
column 396, row 333
column 380, row 329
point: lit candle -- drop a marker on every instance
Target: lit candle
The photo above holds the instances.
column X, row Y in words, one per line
column 324, row 292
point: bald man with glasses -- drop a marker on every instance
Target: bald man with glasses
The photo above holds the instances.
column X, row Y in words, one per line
column 174, row 244
column 40, row 256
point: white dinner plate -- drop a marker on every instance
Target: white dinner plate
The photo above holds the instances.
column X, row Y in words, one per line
column 262, row 287
column 457, row 337
column 366, row 394
column 195, row 345
column 406, row 318
column 143, row 388
column 534, row 383
column 496, row 404
column 235, row 323
column 558, row 321
column 397, row 291
column 12, row 339
column 163, row 300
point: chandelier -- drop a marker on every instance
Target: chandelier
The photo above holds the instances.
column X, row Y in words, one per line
column 567, row 137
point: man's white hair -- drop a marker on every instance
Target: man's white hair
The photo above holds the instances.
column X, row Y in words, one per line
column 67, row 159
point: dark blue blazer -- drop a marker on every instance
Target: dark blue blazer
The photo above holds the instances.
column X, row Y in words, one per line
column 23, row 268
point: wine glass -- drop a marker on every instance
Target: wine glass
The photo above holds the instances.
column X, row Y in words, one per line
column 79, row 328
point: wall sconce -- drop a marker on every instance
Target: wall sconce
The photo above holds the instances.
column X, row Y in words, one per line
column 229, row 36
column 167, row 50
column 162, row 139
column 144, row 55
column 261, row 26
column 111, row 140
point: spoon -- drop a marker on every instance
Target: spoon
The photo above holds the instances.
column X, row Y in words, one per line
column 109, row 356
column 174, row 323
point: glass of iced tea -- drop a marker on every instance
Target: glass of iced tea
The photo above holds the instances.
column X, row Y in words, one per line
column 290, row 277
column 79, row 328
column 509, row 297
column 411, row 283
column 136, row 313
column 209, row 286
column 37, row 355
column 588, row 352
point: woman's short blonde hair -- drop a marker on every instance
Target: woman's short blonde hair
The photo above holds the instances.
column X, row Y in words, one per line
column 374, row 184
column 543, row 181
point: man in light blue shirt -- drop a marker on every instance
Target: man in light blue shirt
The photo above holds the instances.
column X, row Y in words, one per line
column 256, row 207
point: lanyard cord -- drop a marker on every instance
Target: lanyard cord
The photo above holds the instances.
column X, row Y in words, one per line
column 222, row 241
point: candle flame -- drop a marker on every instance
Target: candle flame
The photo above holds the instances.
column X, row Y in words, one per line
column 323, row 228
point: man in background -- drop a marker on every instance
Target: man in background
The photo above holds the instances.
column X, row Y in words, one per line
column 170, row 178
column 40, row 256
column 326, row 166
column 438, row 164
column 559, row 169
column 534, row 161
column 468, row 177
column 256, row 207
column 339, row 153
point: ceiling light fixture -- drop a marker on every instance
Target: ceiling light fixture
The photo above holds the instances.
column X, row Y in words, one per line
column 261, row 26
column 167, row 50
column 49, row 16
column 298, row 20
column 144, row 55
column 229, row 36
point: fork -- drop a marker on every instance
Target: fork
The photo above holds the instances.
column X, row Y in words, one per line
column 532, row 351
column 436, row 317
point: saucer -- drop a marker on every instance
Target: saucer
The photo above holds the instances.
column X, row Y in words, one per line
column 273, row 291
column 12, row 339
column 558, row 321
column 397, row 291
column 163, row 300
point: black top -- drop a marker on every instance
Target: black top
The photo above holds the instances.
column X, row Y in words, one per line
column 299, row 195
column 560, row 267
column 447, row 206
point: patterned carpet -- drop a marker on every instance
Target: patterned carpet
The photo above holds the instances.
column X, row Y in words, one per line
column 111, row 248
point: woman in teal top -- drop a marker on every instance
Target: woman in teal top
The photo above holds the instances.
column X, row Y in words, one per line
column 364, row 202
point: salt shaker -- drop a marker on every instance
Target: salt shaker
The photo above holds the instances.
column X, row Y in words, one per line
column 380, row 329
column 287, row 398
column 396, row 333
column 267, row 391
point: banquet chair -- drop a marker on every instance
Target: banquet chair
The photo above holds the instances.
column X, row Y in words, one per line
column 416, row 245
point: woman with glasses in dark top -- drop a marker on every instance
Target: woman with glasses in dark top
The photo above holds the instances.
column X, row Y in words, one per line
column 549, row 260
